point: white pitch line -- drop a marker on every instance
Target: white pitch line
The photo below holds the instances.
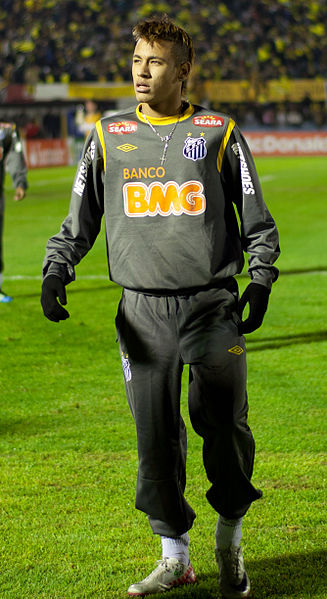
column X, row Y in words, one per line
column 39, row 277
column 46, row 183
column 265, row 178
column 106, row 278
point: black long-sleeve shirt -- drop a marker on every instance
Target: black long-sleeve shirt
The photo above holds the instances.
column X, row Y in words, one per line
column 181, row 225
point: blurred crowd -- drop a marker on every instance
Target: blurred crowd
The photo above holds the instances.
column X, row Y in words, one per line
column 90, row 40
column 305, row 115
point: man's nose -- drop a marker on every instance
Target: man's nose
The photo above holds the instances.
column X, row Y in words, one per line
column 143, row 70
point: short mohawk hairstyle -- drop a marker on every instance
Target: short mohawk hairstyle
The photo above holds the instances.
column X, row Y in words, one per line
column 158, row 28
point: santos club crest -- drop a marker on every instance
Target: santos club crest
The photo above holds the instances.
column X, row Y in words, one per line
column 195, row 148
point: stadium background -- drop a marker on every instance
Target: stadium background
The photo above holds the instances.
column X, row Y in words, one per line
column 263, row 61
column 68, row 460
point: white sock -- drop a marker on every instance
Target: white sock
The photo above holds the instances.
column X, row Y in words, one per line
column 176, row 547
column 228, row 532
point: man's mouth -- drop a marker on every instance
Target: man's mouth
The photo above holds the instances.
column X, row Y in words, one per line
column 142, row 88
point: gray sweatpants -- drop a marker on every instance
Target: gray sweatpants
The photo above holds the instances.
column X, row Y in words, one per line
column 157, row 336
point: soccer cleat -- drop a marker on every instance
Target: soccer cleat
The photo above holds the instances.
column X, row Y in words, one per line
column 169, row 573
column 233, row 579
column 4, row 298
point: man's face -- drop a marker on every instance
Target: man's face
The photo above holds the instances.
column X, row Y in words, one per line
column 156, row 75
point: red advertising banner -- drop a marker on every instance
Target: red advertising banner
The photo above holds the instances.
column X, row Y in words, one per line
column 57, row 152
column 288, row 143
column 46, row 152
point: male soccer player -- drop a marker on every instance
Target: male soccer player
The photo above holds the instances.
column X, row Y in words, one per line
column 167, row 176
column 11, row 155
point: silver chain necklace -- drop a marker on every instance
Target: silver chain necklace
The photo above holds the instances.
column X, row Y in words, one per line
column 166, row 138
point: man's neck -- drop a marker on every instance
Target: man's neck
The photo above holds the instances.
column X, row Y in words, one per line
column 158, row 112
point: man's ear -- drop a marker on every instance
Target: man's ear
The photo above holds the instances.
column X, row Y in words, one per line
column 184, row 71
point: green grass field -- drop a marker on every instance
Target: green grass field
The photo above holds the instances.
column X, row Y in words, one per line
column 68, row 527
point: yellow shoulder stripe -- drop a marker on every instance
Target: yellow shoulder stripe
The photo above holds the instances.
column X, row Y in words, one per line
column 224, row 143
column 101, row 138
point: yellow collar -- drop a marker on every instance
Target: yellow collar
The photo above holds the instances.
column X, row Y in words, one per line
column 165, row 120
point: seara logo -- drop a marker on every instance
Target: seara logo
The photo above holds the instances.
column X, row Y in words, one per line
column 208, row 120
column 122, row 127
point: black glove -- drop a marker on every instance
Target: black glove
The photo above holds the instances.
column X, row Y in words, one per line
column 53, row 287
column 256, row 296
